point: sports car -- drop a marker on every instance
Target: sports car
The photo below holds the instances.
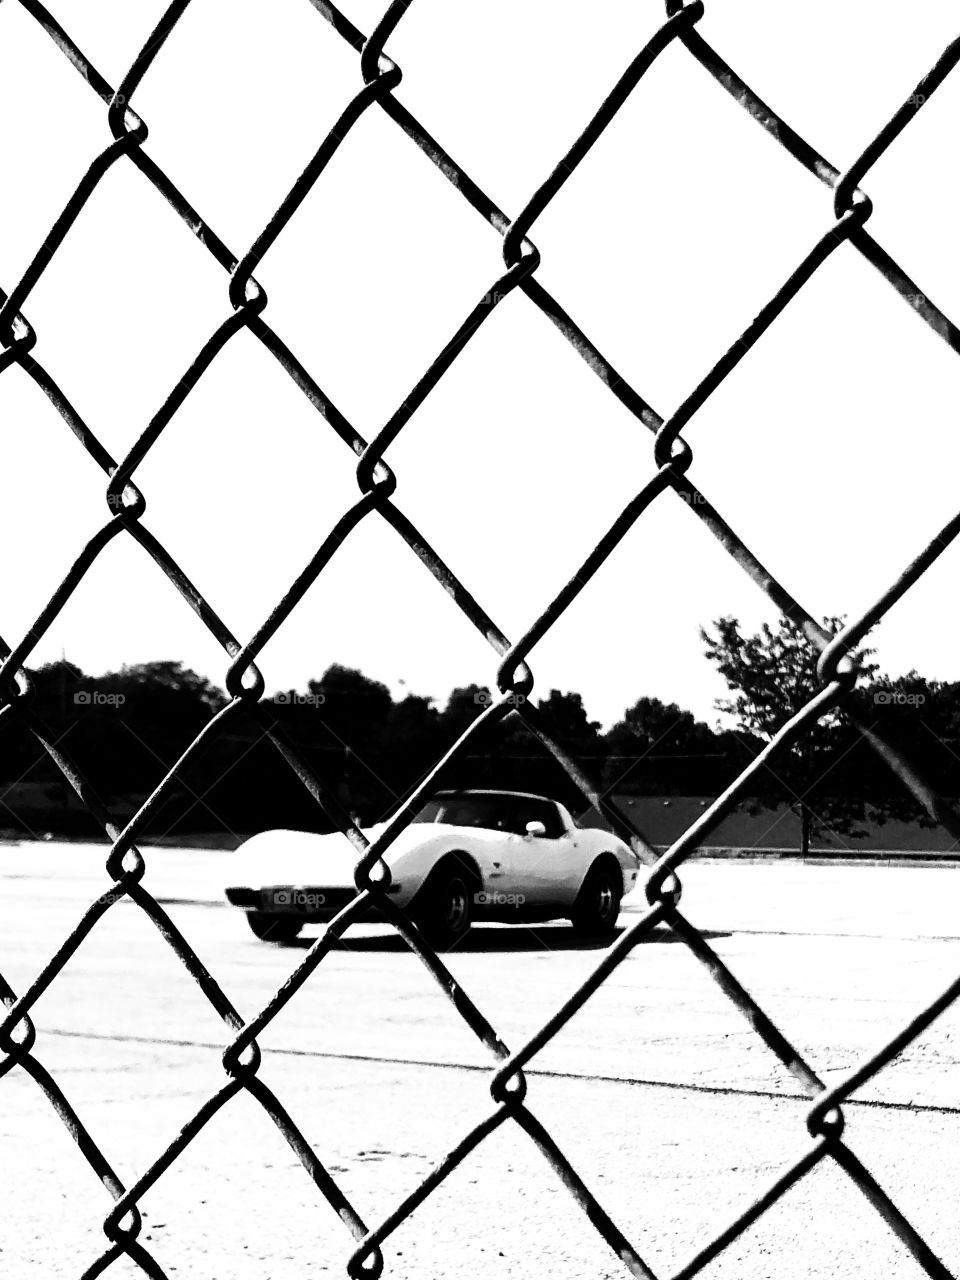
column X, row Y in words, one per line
column 466, row 856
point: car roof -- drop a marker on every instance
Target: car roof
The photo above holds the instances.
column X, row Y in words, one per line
column 491, row 791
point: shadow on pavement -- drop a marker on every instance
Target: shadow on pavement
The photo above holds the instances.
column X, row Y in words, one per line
column 505, row 938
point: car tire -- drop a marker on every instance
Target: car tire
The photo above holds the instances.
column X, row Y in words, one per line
column 597, row 908
column 444, row 912
column 271, row 928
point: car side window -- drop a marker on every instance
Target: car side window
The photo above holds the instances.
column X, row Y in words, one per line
column 507, row 814
column 541, row 811
column 512, row 819
column 464, row 815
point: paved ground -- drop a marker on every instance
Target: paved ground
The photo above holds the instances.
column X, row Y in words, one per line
column 659, row 1091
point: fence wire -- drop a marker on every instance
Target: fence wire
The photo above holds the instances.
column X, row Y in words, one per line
column 825, row 1137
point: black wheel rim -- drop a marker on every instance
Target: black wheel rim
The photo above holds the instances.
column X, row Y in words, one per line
column 607, row 905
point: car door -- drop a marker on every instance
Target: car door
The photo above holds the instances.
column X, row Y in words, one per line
column 540, row 868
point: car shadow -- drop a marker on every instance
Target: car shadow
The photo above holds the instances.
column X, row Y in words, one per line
column 505, row 938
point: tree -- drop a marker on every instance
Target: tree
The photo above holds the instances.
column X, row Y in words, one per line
column 166, row 679
column 565, row 716
column 464, row 704
column 773, row 675
column 508, row 754
column 411, row 742
column 353, row 706
column 657, row 748
column 351, row 711
column 920, row 719
column 565, row 720
column 487, row 761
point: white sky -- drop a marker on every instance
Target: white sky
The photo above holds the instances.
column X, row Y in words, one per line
column 832, row 449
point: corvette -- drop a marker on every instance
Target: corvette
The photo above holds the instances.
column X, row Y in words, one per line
column 466, row 856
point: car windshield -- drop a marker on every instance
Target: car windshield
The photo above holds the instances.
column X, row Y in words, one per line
column 429, row 812
column 494, row 812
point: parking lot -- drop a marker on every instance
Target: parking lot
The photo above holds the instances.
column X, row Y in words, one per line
column 669, row 1105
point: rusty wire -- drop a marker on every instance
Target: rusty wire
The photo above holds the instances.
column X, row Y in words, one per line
column 379, row 78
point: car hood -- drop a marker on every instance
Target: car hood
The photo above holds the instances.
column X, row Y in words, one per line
column 306, row 858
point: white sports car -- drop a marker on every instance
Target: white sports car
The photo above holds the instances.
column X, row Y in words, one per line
column 468, row 855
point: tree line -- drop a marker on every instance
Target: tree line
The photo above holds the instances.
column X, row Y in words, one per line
column 125, row 728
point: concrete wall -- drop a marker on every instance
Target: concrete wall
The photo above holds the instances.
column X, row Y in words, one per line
column 662, row 819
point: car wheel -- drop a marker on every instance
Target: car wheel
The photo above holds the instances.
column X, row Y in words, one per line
column 445, row 913
column 598, row 903
column 270, row 928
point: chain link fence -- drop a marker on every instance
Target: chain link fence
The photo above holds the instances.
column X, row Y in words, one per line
column 511, row 1101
